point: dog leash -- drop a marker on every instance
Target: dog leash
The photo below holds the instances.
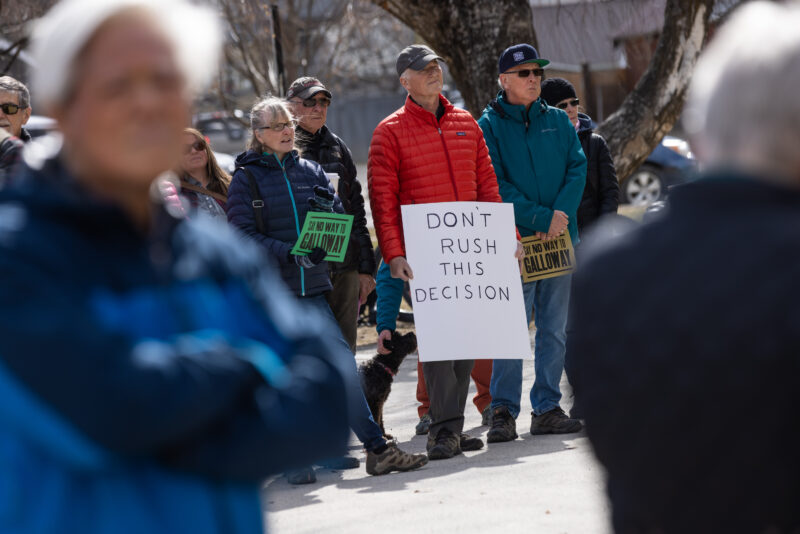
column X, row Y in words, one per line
column 386, row 368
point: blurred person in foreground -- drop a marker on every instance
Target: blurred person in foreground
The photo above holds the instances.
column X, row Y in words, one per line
column 291, row 187
column 153, row 371
column 15, row 110
column 202, row 181
column 687, row 331
column 352, row 279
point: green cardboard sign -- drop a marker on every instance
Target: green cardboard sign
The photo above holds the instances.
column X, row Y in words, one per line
column 330, row 231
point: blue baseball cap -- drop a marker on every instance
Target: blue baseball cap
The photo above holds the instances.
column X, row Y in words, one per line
column 517, row 55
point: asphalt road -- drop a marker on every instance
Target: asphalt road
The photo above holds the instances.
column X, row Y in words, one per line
column 542, row 484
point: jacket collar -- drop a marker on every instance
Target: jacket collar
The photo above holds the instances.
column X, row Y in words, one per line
column 252, row 157
column 418, row 111
column 517, row 113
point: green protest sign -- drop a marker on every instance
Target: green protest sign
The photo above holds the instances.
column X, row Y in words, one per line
column 330, row 231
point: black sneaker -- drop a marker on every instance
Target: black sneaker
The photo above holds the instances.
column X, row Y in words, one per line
column 504, row 428
column 554, row 422
column 424, row 424
column 468, row 443
column 304, row 475
column 445, row 445
column 340, row 462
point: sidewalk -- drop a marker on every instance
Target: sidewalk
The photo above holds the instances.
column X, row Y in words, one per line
column 542, row 484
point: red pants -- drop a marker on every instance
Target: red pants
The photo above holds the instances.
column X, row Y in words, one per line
column 481, row 375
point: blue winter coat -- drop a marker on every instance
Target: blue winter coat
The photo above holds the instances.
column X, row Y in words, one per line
column 149, row 384
column 538, row 160
column 285, row 187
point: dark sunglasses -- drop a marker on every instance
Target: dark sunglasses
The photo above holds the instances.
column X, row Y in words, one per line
column 524, row 73
column 311, row 102
column 11, row 109
column 197, row 145
column 563, row 105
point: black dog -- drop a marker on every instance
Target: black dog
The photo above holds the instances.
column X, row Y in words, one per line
column 377, row 374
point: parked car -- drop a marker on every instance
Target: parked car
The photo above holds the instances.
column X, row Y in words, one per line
column 224, row 132
column 670, row 163
column 39, row 125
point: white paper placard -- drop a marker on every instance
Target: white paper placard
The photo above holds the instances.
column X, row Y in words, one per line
column 466, row 291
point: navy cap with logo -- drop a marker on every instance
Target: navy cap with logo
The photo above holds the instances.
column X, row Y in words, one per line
column 306, row 87
column 415, row 57
column 517, row 55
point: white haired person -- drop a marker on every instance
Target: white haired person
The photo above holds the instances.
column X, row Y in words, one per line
column 688, row 365
column 147, row 384
column 289, row 188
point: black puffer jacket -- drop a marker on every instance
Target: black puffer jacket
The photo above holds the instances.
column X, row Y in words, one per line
column 601, row 194
column 329, row 150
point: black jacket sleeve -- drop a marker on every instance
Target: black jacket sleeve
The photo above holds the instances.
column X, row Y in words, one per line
column 608, row 184
column 355, row 199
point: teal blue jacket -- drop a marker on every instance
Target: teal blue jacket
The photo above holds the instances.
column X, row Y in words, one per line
column 538, row 160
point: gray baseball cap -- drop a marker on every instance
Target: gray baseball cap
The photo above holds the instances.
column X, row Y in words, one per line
column 415, row 57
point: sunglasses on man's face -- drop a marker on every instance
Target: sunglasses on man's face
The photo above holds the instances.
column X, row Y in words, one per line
column 563, row 105
column 524, row 73
column 199, row 146
column 279, row 126
column 311, row 102
column 10, row 109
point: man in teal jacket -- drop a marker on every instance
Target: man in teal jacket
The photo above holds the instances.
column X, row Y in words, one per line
column 541, row 169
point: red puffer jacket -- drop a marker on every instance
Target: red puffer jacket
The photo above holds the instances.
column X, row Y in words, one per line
column 415, row 159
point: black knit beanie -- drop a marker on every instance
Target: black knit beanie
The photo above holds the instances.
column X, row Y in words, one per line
column 554, row 90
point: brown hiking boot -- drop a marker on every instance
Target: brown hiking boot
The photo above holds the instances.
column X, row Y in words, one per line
column 393, row 459
column 554, row 422
column 468, row 443
column 504, row 428
column 445, row 444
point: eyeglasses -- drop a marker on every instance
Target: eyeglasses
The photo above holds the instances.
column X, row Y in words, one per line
column 563, row 105
column 524, row 73
column 197, row 145
column 11, row 109
column 311, row 102
column 279, row 126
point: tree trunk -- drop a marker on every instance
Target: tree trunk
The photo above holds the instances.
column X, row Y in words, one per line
column 469, row 35
column 650, row 111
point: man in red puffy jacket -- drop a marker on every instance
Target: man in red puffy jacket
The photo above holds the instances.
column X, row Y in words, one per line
column 429, row 151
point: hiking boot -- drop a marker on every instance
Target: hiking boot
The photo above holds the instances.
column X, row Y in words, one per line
column 393, row 459
column 504, row 428
column 445, row 445
column 554, row 422
column 341, row 462
column 468, row 443
column 424, row 425
column 304, row 475
column 486, row 416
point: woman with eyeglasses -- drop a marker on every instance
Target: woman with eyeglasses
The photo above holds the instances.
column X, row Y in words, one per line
column 202, row 180
column 271, row 192
column 601, row 193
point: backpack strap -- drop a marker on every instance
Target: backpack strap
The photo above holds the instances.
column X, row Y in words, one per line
column 257, row 202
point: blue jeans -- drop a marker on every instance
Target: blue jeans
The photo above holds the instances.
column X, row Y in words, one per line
column 361, row 422
column 550, row 298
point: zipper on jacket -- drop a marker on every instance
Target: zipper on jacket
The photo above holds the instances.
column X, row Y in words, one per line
column 449, row 163
column 296, row 222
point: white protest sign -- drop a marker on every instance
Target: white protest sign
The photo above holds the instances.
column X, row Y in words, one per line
column 466, row 291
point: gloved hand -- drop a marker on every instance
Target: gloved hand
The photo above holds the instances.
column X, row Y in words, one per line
column 313, row 259
column 322, row 200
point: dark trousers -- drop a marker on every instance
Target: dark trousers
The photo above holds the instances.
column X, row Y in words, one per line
column 448, row 385
column 343, row 300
